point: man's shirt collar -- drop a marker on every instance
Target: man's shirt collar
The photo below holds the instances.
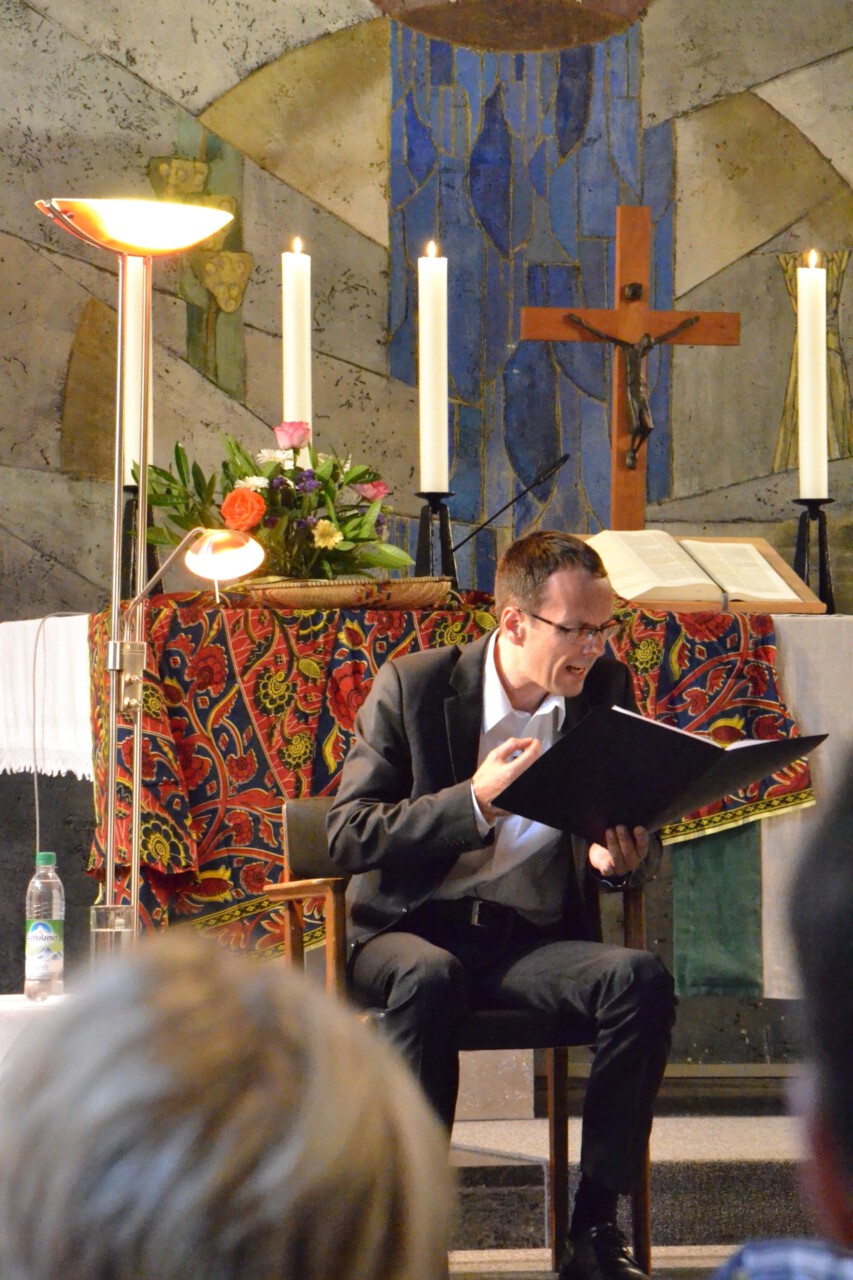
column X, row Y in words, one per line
column 496, row 703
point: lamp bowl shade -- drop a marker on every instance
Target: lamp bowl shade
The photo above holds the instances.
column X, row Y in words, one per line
column 220, row 554
column 516, row 25
column 139, row 228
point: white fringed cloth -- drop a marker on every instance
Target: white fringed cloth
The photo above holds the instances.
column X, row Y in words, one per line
column 45, row 717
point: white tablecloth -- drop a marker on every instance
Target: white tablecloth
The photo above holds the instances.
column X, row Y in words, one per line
column 45, row 724
column 815, row 666
column 17, row 1013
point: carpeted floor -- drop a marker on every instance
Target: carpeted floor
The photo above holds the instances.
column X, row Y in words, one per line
column 716, row 1181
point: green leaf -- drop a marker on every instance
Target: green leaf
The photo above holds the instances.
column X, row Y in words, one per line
column 382, row 555
column 181, row 464
column 243, row 464
column 359, row 475
column 185, row 519
column 199, row 480
column 161, row 537
column 368, row 520
column 158, row 473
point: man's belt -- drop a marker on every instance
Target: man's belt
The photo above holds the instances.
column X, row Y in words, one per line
column 478, row 912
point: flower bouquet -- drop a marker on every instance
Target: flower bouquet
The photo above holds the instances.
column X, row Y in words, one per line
column 317, row 515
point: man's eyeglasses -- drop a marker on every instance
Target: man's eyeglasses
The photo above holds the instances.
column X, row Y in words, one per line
column 583, row 632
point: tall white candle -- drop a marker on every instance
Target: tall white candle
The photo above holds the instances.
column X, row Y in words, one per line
column 432, row 371
column 296, row 335
column 131, row 369
column 811, row 379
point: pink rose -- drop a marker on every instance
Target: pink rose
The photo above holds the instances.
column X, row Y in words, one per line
column 292, row 435
column 375, row 489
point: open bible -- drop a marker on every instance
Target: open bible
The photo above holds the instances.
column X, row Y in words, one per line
column 649, row 565
column 616, row 766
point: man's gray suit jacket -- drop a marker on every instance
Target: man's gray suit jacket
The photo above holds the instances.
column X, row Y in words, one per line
column 404, row 812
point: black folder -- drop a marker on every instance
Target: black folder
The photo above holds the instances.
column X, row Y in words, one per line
column 613, row 767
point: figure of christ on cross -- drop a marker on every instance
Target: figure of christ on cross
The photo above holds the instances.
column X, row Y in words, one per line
column 640, row 422
column 634, row 329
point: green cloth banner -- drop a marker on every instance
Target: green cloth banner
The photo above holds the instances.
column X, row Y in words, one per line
column 716, row 909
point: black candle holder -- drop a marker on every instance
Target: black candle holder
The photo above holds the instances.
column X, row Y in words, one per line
column 434, row 543
column 814, row 514
column 129, row 526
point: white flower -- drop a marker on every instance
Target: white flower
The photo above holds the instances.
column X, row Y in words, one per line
column 252, row 482
column 282, row 456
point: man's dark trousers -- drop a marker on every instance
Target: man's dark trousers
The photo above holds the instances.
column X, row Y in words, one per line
column 429, row 976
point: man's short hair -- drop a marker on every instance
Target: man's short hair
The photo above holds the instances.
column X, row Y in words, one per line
column 194, row 1114
column 820, row 908
column 525, row 567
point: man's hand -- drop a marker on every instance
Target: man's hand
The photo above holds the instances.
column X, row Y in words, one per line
column 624, row 852
column 501, row 767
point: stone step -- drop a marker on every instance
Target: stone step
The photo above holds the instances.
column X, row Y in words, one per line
column 686, row 1263
column 715, row 1181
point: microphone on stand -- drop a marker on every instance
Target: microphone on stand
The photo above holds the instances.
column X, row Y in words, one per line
column 538, row 479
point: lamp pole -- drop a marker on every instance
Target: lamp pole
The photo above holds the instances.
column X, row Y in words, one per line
column 134, row 229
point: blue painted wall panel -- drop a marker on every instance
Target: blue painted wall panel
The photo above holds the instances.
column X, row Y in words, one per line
column 517, row 164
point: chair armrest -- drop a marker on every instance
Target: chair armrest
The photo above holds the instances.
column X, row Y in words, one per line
column 332, row 890
column 301, row 890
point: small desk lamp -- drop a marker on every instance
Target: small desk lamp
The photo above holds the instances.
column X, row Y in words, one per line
column 134, row 229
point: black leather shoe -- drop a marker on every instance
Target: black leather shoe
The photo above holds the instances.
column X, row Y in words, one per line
column 601, row 1253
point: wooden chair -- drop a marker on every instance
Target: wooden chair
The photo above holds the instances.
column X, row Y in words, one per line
column 311, row 874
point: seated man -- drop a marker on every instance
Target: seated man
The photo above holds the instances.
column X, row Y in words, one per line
column 820, row 908
column 455, row 904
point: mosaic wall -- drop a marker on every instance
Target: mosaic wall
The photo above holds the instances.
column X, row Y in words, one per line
column 516, row 164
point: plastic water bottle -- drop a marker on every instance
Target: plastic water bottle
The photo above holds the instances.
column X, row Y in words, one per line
column 44, row 952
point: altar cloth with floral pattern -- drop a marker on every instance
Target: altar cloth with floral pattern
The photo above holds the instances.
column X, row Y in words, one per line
column 245, row 706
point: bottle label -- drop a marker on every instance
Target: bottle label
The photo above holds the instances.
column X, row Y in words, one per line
column 43, row 950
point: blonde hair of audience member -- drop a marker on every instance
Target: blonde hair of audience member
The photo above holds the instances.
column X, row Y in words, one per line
column 192, row 1114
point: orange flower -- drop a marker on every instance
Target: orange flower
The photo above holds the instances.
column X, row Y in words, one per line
column 242, row 509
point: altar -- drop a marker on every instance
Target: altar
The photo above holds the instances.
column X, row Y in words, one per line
column 246, row 705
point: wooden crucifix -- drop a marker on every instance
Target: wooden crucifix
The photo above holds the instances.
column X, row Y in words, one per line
column 634, row 329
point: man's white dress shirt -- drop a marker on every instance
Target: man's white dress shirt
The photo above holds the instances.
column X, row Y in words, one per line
column 521, row 868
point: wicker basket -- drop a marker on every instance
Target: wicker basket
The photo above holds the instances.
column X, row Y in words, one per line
column 346, row 593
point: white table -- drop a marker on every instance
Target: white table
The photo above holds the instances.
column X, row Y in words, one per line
column 17, row 1013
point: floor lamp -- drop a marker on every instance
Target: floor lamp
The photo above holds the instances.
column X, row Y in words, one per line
column 137, row 231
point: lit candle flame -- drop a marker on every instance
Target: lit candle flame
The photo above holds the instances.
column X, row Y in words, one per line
column 431, row 250
column 297, row 245
column 813, row 258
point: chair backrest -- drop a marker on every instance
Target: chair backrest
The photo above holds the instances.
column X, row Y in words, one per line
column 306, row 848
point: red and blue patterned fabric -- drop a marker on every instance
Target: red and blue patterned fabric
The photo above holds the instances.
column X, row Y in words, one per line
column 245, row 706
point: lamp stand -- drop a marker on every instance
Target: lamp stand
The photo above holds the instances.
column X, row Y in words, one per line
column 434, row 541
column 814, row 515
column 126, row 654
column 136, row 230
